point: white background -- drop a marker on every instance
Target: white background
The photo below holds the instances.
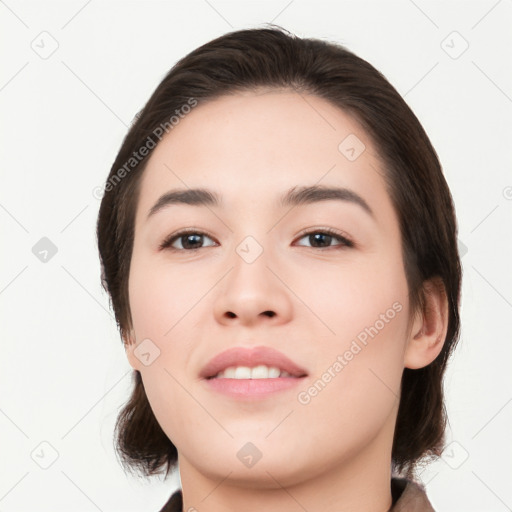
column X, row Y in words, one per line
column 64, row 374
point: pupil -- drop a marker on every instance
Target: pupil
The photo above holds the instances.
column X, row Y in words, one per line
column 320, row 235
column 188, row 237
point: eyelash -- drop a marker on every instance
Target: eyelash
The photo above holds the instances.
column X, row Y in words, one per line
column 341, row 237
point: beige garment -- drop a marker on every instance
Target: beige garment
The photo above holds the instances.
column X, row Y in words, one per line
column 409, row 496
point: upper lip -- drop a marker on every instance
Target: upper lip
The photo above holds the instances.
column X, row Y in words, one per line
column 240, row 356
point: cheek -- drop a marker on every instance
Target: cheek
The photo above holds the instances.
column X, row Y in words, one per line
column 364, row 313
column 160, row 297
column 162, row 303
column 350, row 297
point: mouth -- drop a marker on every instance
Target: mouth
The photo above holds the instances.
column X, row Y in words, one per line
column 249, row 384
column 256, row 363
column 244, row 373
column 257, row 372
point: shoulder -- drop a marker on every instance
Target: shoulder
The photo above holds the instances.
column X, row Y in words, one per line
column 409, row 496
column 175, row 503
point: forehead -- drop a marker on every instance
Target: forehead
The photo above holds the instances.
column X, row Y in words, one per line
column 252, row 147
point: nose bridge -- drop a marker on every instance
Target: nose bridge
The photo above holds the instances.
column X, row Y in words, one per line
column 251, row 289
column 252, row 248
column 250, row 261
column 252, row 234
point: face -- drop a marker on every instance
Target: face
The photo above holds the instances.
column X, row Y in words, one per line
column 255, row 272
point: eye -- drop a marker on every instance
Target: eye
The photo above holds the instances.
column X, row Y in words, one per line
column 324, row 237
column 189, row 239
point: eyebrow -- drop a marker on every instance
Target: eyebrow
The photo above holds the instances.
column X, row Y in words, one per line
column 296, row 196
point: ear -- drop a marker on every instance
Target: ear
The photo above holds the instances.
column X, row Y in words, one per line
column 129, row 346
column 430, row 326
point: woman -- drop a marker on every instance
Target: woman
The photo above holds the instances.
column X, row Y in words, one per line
column 279, row 245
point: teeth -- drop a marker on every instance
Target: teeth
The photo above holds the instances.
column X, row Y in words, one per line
column 258, row 372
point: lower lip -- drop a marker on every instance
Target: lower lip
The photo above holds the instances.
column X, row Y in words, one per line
column 252, row 388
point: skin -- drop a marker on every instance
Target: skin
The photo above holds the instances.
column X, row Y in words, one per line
column 333, row 453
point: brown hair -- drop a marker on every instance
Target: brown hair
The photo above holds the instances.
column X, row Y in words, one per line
column 273, row 58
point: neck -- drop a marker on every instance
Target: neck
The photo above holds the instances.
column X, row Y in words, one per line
column 361, row 483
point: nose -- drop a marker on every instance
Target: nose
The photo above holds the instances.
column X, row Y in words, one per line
column 253, row 292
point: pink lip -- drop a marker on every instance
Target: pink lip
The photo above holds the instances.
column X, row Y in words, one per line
column 240, row 356
column 251, row 389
